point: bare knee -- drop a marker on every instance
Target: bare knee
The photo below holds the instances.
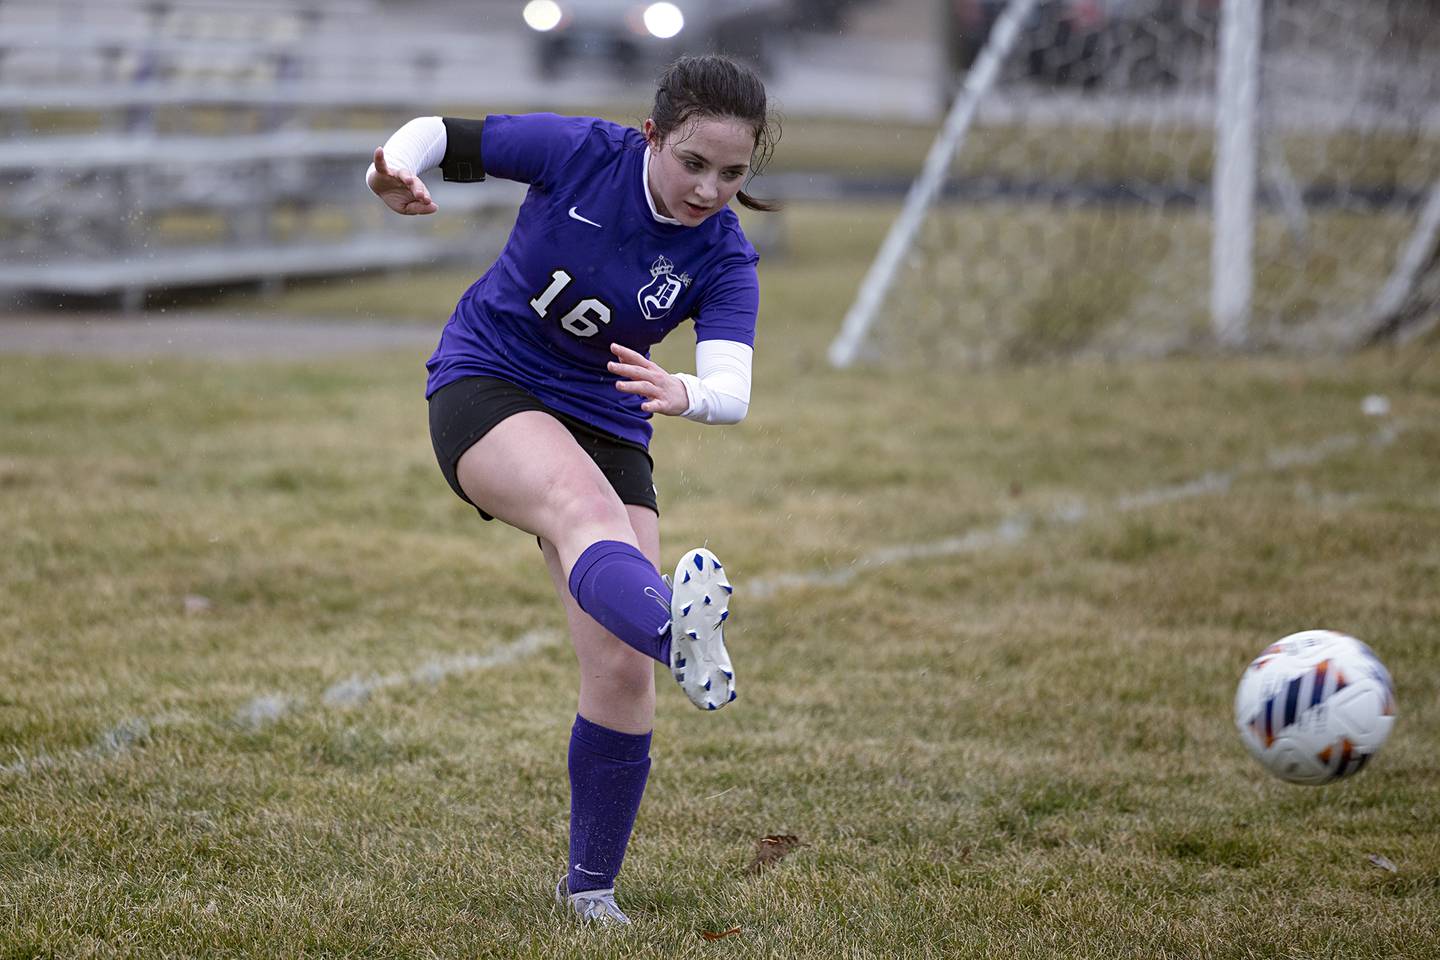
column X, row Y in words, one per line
column 584, row 511
column 616, row 673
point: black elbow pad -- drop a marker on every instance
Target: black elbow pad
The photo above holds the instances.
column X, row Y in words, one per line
column 462, row 162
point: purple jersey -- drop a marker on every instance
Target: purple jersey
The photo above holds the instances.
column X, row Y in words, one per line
column 587, row 264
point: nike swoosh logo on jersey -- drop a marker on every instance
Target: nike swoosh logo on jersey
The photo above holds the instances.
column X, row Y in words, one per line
column 576, row 216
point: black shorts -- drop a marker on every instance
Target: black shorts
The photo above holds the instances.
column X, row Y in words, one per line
column 464, row 411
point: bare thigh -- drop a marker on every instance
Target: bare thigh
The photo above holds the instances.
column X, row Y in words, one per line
column 617, row 682
column 529, row 472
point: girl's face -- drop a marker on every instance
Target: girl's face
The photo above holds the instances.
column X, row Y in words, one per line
column 700, row 167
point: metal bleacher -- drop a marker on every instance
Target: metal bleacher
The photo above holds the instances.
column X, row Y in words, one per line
column 154, row 144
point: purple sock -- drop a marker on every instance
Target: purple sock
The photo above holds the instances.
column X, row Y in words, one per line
column 608, row 770
column 615, row 584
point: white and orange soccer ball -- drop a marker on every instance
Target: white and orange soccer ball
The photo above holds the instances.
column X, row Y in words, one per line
column 1315, row 706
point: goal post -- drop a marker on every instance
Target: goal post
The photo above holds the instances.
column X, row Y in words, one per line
column 923, row 191
column 1232, row 269
column 1150, row 176
column 1409, row 303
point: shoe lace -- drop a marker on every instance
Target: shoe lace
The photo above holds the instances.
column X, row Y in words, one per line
column 665, row 630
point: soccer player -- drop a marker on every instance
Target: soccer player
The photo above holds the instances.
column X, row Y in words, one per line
column 541, row 392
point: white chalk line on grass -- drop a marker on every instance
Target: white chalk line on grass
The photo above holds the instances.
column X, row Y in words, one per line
column 358, row 689
column 117, row 740
column 270, row 708
column 1016, row 528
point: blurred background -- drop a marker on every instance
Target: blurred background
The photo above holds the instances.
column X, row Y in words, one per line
column 153, row 145
column 160, row 146
column 268, row 689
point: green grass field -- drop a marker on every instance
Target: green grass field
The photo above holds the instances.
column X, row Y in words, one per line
column 268, row 689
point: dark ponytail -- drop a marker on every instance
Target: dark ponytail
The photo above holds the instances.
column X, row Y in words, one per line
column 717, row 86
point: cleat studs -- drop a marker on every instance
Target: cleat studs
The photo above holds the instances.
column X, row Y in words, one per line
column 680, row 663
column 718, row 566
column 727, row 588
column 687, row 577
column 728, row 674
column 692, row 634
column 723, row 615
column 733, row 694
column 699, row 562
column 710, row 706
column 707, row 683
column 707, row 600
column 685, row 610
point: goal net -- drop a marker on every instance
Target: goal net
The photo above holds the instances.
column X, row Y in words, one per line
column 1138, row 177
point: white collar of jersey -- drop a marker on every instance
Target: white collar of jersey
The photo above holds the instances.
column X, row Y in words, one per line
column 645, row 188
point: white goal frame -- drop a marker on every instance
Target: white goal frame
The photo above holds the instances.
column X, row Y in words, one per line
column 846, row 346
column 1234, row 185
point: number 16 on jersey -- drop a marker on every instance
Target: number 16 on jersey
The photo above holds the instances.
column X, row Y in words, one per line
column 584, row 319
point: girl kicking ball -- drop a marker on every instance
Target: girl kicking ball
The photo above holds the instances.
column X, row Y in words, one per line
column 541, row 393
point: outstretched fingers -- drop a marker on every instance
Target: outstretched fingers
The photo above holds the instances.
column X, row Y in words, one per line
column 401, row 190
column 626, row 355
column 644, row 388
column 642, row 376
column 419, row 196
column 635, row 365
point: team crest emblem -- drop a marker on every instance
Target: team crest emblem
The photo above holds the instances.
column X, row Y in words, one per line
column 659, row 295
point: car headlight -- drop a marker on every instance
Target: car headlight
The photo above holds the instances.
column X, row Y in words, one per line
column 664, row 20
column 543, row 15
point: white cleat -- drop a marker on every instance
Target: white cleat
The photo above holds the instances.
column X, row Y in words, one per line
column 699, row 604
column 597, row 906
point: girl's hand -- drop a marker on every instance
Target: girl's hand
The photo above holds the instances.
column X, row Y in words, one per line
column 666, row 393
column 401, row 190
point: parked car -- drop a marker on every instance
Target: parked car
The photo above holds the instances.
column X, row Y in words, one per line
column 633, row 36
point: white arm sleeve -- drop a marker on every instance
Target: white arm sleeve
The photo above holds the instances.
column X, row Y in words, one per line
column 720, row 389
column 417, row 146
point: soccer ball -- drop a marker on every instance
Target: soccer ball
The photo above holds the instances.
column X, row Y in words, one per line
column 1315, row 706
